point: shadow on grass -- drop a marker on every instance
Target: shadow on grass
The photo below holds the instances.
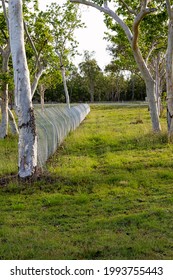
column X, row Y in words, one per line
column 98, row 146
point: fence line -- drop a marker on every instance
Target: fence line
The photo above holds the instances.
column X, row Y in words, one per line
column 53, row 125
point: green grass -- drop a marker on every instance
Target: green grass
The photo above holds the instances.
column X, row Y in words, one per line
column 107, row 193
column 8, row 156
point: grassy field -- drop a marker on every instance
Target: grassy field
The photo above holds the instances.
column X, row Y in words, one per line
column 107, row 193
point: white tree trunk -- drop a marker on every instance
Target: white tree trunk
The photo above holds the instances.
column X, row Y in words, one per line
column 23, row 99
column 42, row 91
column 4, row 101
column 4, row 112
column 169, row 78
column 12, row 122
column 158, row 84
column 150, row 88
column 37, row 77
column 64, row 79
column 7, row 115
column 91, row 90
column 42, row 100
column 65, row 86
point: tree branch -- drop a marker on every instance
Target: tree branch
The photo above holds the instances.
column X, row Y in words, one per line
column 144, row 4
column 37, row 54
column 137, row 22
column 29, row 38
column 1, row 50
column 169, row 9
column 5, row 36
column 109, row 12
column 5, row 13
column 154, row 44
column 133, row 12
column 37, row 76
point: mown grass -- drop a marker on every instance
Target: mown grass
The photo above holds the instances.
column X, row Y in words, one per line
column 107, row 193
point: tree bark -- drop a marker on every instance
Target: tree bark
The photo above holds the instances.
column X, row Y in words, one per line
column 40, row 69
column 4, row 112
column 169, row 72
column 42, row 89
column 37, row 77
column 150, row 89
column 64, row 79
column 149, row 82
column 65, row 86
column 42, row 100
column 23, row 100
column 4, row 102
column 7, row 115
column 91, row 90
column 133, row 87
column 158, row 85
column 12, row 123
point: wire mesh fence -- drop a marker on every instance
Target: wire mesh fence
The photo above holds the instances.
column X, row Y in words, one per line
column 54, row 124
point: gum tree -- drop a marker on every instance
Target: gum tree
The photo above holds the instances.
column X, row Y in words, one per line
column 49, row 81
column 39, row 47
column 5, row 54
column 6, row 80
column 91, row 71
column 139, row 10
column 27, row 161
column 152, row 43
column 169, row 69
column 64, row 20
column 6, row 114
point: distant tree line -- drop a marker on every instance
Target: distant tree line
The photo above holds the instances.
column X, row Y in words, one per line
column 106, row 87
column 88, row 83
